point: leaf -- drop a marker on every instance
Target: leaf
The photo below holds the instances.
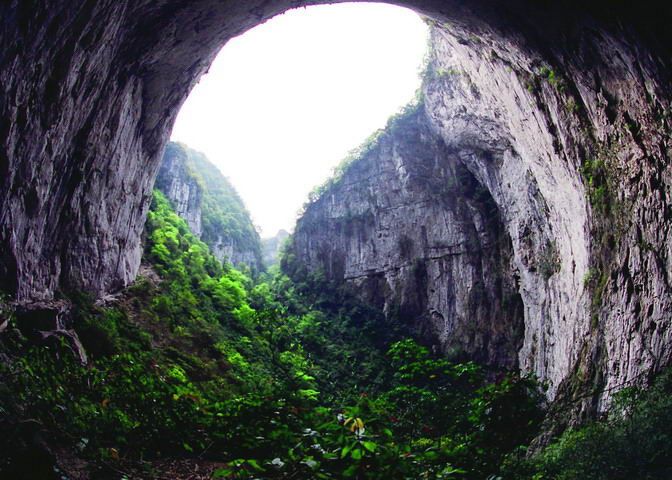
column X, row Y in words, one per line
column 370, row 446
column 311, row 463
column 254, row 464
column 351, row 470
column 356, row 454
column 222, row 472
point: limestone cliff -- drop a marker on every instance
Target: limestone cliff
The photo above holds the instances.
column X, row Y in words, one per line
column 181, row 186
column 272, row 247
column 420, row 238
column 557, row 159
column 211, row 206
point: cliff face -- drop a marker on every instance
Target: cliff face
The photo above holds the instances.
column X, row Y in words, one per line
column 216, row 214
column 410, row 227
column 560, row 150
column 272, row 247
column 180, row 186
column 575, row 155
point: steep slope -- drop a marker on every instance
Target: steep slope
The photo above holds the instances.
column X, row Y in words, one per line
column 181, row 186
column 211, row 206
column 92, row 90
column 195, row 370
column 410, row 227
column 561, row 110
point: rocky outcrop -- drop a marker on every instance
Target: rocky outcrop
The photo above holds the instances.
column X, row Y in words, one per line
column 560, row 147
column 560, row 110
column 179, row 184
column 225, row 248
column 227, row 226
column 207, row 201
column 412, row 229
column 49, row 323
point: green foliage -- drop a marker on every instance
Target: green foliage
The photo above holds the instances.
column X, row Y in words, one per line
column 572, row 106
column 440, row 72
column 278, row 379
column 366, row 148
column 634, row 441
column 345, row 338
column 174, row 367
column 553, row 78
column 293, row 379
column 595, row 174
column 437, row 421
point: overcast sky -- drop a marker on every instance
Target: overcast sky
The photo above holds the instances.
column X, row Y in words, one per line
column 285, row 102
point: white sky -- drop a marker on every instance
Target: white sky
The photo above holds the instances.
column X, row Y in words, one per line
column 285, row 102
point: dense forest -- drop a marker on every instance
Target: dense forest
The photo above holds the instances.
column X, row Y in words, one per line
column 201, row 371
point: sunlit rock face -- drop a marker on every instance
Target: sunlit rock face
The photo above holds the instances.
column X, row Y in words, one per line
column 559, row 145
column 512, row 147
column 535, row 262
column 560, row 110
column 585, row 175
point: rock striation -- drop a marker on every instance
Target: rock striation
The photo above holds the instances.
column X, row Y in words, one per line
column 412, row 229
column 550, row 147
column 272, row 247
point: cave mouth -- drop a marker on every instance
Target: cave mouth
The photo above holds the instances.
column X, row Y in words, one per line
column 559, row 82
column 286, row 101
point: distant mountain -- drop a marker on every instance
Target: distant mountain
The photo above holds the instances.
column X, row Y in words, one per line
column 271, row 247
column 210, row 204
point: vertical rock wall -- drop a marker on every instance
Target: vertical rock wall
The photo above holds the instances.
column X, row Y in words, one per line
column 417, row 235
column 568, row 142
column 90, row 90
column 209, row 203
column 585, row 174
column 181, row 187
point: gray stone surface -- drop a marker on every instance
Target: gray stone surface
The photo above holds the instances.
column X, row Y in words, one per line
column 225, row 248
column 181, row 187
column 410, row 227
column 272, row 247
column 186, row 184
column 526, row 128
